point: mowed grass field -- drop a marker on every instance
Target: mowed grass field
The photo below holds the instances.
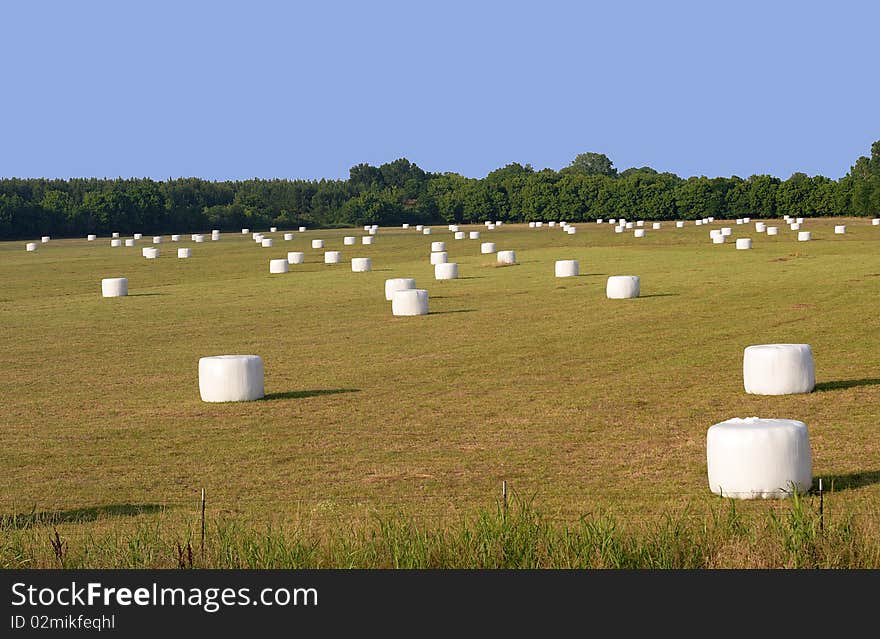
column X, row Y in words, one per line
column 581, row 403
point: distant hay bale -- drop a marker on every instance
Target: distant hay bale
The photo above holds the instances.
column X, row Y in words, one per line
column 296, row 257
column 409, row 302
column 183, row 253
column 332, row 257
column 278, row 266
column 361, row 264
column 567, row 268
column 398, row 284
column 506, row 257
column 439, row 257
column 446, row 271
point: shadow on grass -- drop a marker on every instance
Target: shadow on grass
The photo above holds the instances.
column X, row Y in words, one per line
column 77, row 515
column 661, row 295
column 848, row 481
column 845, row 383
column 460, row 310
column 309, row 393
column 145, row 294
column 471, row 277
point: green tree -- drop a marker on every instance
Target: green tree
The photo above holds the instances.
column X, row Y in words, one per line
column 591, row 164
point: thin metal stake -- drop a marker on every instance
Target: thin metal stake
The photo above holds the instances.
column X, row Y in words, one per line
column 203, row 527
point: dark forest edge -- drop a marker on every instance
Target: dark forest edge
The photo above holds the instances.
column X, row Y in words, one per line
column 399, row 191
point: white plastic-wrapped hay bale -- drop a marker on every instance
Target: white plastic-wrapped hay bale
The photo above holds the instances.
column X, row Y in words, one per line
column 567, row 268
column 409, row 302
column 639, row 233
column 266, row 242
column 406, row 226
column 114, row 235
column 138, row 236
column 175, row 238
column 231, row 378
column 426, row 231
column 361, row 264
column 273, row 229
column 498, row 222
column 446, row 271
column 438, row 246
column 621, row 287
column 398, row 284
column 679, row 224
column 618, row 229
column 288, row 237
column 698, row 222
column 552, row 223
column 739, row 220
column 91, row 237
column 373, row 231
column 875, row 221
column 772, row 230
column 198, row 238
column 296, row 257
column 760, row 227
column 30, row 246
column 195, row 235
column 184, row 253
column 487, row 247
column 531, row 225
column 840, row 229
column 439, row 257
column 717, row 237
column 114, row 286
column 640, row 222
column 490, row 227
column 629, row 225
column 746, row 220
column 655, row 226
column 349, row 240
column 474, row 235
column 778, row 369
column 799, row 220
column 317, row 244
column 116, row 242
column 419, row 227
column 506, row 257
column 538, row 225
column 215, row 236
column 332, row 257
column 367, row 227
column 129, row 242
column 144, row 251
column 611, row 221
column 726, row 231
column 374, row 227
column 757, row 458
column 571, row 230
column 794, row 226
column 367, row 239
column 302, row 229
column 151, row 253
column 804, row 236
column 459, row 235
column 453, row 228
column 245, row 231
column 157, row 239
column 278, row 266
column 743, row 243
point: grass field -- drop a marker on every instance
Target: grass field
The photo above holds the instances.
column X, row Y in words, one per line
column 584, row 405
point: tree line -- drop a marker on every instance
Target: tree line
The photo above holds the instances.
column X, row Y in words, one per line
column 399, row 191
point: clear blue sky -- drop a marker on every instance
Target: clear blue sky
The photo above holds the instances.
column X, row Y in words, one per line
column 306, row 90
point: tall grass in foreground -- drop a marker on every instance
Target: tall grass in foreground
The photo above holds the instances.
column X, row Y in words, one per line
column 793, row 536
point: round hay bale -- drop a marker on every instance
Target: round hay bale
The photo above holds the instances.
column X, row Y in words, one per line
column 875, row 221
column 409, row 302
column 367, row 239
column 157, row 239
column 571, row 230
column 317, row 244
column 804, row 236
column 799, row 220
column 490, row 227
column 273, row 229
column 426, row 231
column 138, row 236
column 840, row 229
column 406, row 226
column 539, row 224
column 621, row 287
column 757, row 458
column 679, row 225
column 183, row 253
column 349, row 240
column 640, row 223
column 487, row 247
column 772, row 230
column 628, row 225
column 288, row 237
column 726, row 231
column 332, row 257
column 199, row 238
column 278, row 266
column 778, row 369
column 30, row 246
column 655, row 226
column 151, row 253
column 398, row 284
column 459, row 235
column 446, row 271
column 439, row 257
column 129, row 242
column 794, row 226
column 746, row 220
column 266, row 242
column 438, row 246
column 567, row 268
column 743, row 243
column 718, row 239
column 373, row 231
column 361, row 264
column 296, row 257
column 531, row 225
column 245, row 231
column 739, row 220
column 231, row 378
column 175, row 238
column 114, row 287
column 91, row 237
column 698, row 222
column 419, row 227
column 760, row 227
column 114, row 235
column 506, row 257
column 618, row 229
column 639, row 233
column 367, row 227
column 144, row 251
column 474, row 235
column 302, row 229
column 116, row 242
column 453, row 228
column 215, row 236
